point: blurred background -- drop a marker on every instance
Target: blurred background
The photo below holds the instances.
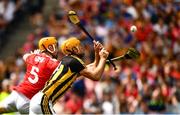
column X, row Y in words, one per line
column 150, row 84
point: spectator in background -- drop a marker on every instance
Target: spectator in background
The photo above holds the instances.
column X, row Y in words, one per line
column 91, row 104
column 74, row 104
column 29, row 44
column 2, row 70
column 5, row 90
column 35, row 9
column 11, row 14
column 7, row 9
column 10, row 66
column 176, row 98
column 107, row 105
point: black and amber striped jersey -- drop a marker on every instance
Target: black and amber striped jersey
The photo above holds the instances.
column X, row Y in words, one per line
column 63, row 77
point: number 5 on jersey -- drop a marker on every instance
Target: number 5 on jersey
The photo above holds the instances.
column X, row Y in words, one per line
column 34, row 78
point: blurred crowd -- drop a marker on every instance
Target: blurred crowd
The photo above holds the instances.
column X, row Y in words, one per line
column 12, row 12
column 150, row 84
column 9, row 11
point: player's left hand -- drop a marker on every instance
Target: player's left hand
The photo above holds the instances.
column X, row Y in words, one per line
column 97, row 46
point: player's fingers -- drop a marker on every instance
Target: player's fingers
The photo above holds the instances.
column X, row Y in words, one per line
column 101, row 46
column 94, row 41
column 38, row 50
column 103, row 50
column 35, row 51
column 97, row 43
column 106, row 52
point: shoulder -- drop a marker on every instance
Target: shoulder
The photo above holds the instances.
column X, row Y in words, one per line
column 77, row 59
column 38, row 58
column 27, row 56
column 71, row 59
column 75, row 63
column 47, row 57
column 44, row 55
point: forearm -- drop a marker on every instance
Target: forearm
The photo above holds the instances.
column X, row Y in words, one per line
column 96, row 59
column 99, row 69
column 94, row 72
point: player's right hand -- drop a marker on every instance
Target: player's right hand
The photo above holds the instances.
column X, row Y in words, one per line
column 103, row 53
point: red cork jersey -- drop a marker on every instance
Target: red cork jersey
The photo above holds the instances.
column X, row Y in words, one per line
column 39, row 70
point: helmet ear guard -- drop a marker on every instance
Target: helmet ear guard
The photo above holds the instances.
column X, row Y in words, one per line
column 51, row 48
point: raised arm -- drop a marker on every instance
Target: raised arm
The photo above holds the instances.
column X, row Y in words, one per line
column 95, row 72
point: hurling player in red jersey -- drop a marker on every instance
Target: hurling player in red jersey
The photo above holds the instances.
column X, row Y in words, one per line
column 40, row 65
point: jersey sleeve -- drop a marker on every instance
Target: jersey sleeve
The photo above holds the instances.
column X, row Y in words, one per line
column 76, row 65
